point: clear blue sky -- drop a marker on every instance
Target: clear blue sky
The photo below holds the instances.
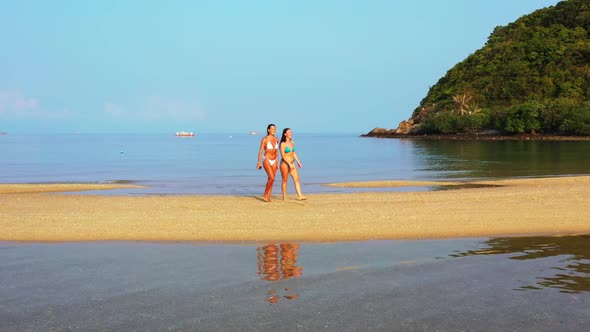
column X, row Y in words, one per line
column 232, row 66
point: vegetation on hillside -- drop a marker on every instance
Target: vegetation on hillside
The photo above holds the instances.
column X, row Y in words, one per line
column 532, row 76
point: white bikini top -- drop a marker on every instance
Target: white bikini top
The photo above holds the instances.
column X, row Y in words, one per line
column 270, row 146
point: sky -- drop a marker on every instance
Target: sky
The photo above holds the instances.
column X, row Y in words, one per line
column 131, row 66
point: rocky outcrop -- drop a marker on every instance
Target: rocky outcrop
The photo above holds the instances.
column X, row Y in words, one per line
column 406, row 127
column 380, row 132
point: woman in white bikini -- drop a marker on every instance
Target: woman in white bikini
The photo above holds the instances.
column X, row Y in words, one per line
column 269, row 146
column 288, row 159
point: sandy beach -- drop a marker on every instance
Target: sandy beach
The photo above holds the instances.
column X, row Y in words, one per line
column 560, row 205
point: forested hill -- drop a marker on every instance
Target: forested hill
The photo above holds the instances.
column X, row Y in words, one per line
column 532, row 76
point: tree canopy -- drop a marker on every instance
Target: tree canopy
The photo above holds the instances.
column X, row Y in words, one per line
column 532, row 75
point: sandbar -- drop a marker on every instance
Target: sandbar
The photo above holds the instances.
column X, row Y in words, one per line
column 509, row 207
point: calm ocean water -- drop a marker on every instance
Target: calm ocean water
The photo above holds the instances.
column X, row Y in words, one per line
column 225, row 163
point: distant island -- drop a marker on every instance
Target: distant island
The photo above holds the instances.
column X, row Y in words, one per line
column 531, row 80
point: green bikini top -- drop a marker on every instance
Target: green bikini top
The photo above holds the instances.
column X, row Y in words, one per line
column 288, row 149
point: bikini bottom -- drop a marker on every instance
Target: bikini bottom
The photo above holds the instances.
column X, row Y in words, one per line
column 271, row 161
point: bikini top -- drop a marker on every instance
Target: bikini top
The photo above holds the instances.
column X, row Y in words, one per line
column 287, row 149
column 270, row 146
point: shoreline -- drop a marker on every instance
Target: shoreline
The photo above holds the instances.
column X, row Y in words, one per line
column 480, row 137
column 37, row 188
column 490, row 208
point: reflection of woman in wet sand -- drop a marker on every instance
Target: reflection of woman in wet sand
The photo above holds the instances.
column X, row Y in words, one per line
column 288, row 159
column 268, row 262
column 269, row 146
column 271, row 270
column 289, row 266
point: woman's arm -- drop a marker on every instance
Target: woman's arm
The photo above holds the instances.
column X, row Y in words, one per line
column 260, row 151
column 295, row 155
column 297, row 159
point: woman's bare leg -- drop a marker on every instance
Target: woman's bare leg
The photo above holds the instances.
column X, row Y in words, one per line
column 285, row 177
column 271, row 171
column 295, row 176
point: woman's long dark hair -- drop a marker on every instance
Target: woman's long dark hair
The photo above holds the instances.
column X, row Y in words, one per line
column 268, row 128
column 284, row 137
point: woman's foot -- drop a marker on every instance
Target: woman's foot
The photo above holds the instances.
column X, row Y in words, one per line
column 266, row 199
column 301, row 198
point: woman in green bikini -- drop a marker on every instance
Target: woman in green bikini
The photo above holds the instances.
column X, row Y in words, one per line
column 288, row 160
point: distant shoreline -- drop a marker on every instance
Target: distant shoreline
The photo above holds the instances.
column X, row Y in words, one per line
column 480, row 137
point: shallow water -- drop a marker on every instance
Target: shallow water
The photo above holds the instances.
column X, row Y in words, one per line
column 538, row 283
column 225, row 163
column 570, row 272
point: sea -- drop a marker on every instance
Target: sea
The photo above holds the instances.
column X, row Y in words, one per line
column 225, row 163
column 536, row 283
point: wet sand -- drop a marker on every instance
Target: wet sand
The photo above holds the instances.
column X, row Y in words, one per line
column 511, row 207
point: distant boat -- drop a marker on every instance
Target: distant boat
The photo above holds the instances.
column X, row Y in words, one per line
column 3, row 133
column 185, row 133
column 253, row 132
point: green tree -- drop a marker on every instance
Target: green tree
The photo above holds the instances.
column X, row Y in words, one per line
column 542, row 57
